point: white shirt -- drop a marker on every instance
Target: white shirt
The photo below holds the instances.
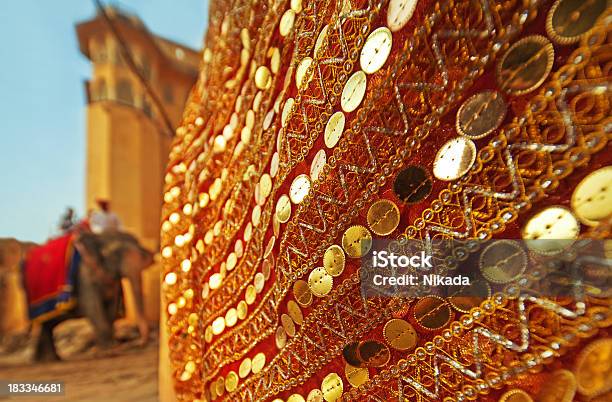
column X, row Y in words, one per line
column 102, row 221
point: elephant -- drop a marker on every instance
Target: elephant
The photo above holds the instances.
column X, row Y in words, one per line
column 104, row 260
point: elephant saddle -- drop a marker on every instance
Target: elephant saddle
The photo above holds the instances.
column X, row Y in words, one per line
column 49, row 274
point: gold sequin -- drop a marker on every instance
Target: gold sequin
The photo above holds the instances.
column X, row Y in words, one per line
column 259, row 282
column 265, row 185
column 400, row 334
column 286, row 22
column 334, row 260
column 295, row 312
column 454, row 159
column 334, row 129
column 515, row 395
column 275, row 59
column 412, row 184
column 376, row 50
column 432, row 313
column 287, row 111
column 316, row 167
column 399, row 13
column 481, row 114
column 296, row 398
column 263, row 78
column 570, row 20
column 245, row 367
column 374, row 353
column 332, row 387
column 356, row 241
column 320, row 282
column 218, row 325
column 525, row 65
column 592, row 198
column 250, row 294
column 299, row 188
column 288, row 325
column 383, row 217
column 315, row 395
column 280, row 337
column 502, row 261
column 353, row 91
column 242, row 309
column 231, row 317
column 231, row 381
column 560, row 386
column 302, row 293
column 594, row 368
column 320, row 40
column 300, row 72
column 552, row 230
column 283, row 209
column 356, row 376
column 258, row 363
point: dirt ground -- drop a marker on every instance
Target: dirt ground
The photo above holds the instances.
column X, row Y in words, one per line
column 126, row 373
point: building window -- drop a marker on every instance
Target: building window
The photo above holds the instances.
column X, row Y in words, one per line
column 124, row 92
column 102, row 92
column 98, row 50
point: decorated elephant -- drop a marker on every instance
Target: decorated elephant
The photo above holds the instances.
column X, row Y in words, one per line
column 79, row 275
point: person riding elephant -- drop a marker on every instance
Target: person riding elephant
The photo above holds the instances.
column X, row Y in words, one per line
column 101, row 261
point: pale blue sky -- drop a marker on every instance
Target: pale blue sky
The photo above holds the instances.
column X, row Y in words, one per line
column 42, row 102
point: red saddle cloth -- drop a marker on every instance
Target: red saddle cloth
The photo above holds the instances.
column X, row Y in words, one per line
column 49, row 274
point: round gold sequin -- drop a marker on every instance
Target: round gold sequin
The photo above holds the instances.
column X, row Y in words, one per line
column 399, row 13
column 334, row 260
column 295, row 312
column 269, row 246
column 296, row 5
column 288, row 325
column 316, row 166
column 515, row 395
column 263, row 78
column 334, row 129
column 283, row 209
column 265, row 185
column 275, row 59
column 287, row 111
column 353, row 91
column 299, row 188
column 296, row 398
column 525, row 65
column 245, row 367
column 286, row 22
column 553, row 229
column 231, row 381
column 383, row 217
column 432, row 313
column 302, row 293
column 357, row 241
column 259, row 282
column 231, row 317
column 400, row 334
column 374, row 353
column 258, row 363
column 560, row 386
column 351, row 355
column 332, row 387
column 242, row 309
column 300, row 72
column 469, row 296
column 376, row 50
column 220, row 386
column 570, row 20
column 320, row 40
column 481, row 114
column 356, row 376
column 250, row 294
column 592, row 198
column 267, row 266
column 320, row 282
column 218, row 325
column 594, row 368
column 503, row 261
column 274, row 164
column 315, row 395
column 412, row 184
column 454, row 159
column 280, row 337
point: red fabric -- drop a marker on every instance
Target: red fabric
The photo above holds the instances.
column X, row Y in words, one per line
column 46, row 269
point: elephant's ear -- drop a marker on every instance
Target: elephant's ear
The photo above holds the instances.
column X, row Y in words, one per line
column 90, row 245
